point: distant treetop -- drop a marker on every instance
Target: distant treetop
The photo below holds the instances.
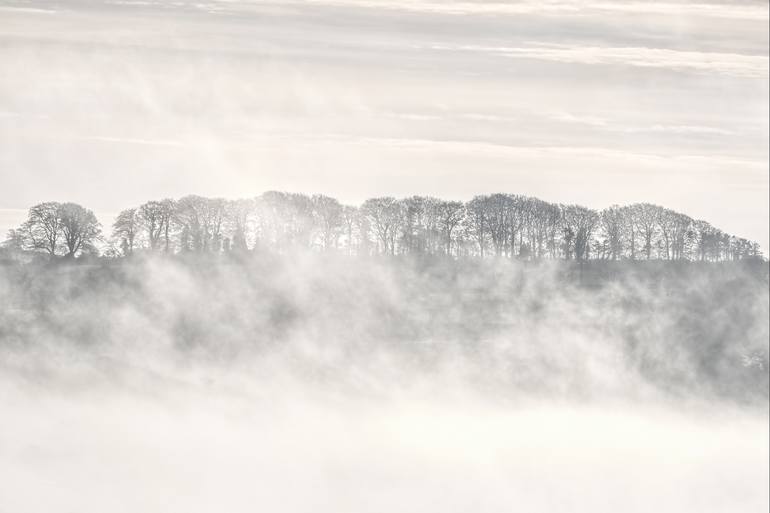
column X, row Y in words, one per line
column 502, row 225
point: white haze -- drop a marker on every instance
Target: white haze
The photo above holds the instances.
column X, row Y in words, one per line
column 112, row 103
column 339, row 387
column 311, row 383
column 196, row 447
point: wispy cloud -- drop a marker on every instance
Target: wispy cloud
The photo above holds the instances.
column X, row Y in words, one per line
column 748, row 11
column 412, row 116
column 129, row 140
column 615, row 126
column 29, row 10
column 732, row 64
column 543, row 90
column 568, row 117
column 682, row 129
column 481, row 147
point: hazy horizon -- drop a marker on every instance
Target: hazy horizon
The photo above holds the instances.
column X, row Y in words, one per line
column 327, row 348
column 111, row 103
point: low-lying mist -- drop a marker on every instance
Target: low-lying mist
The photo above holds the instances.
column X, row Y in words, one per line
column 378, row 325
column 311, row 382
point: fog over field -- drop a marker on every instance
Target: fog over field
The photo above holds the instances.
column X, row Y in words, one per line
column 311, row 382
column 520, row 263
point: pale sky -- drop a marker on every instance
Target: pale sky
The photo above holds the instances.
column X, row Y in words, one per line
column 113, row 103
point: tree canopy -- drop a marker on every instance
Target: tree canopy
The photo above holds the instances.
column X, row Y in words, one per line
column 503, row 225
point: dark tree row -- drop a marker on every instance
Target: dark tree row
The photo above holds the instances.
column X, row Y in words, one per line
column 504, row 225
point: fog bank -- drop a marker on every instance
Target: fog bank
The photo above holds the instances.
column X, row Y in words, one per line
column 200, row 450
column 307, row 382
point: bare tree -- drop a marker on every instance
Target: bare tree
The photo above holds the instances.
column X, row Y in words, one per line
column 476, row 222
column 201, row 221
column 155, row 218
column 496, row 209
column 580, row 222
column 239, row 215
column 189, row 216
column 150, row 219
column 384, row 215
column 612, row 221
column 681, row 235
column 79, row 228
column 350, row 216
column 450, row 214
column 544, row 222
column 214, row 221
column 328, row 212
column 628, row 231
column 42, row 229
column 666, row 220
column 508, row 224
column 519, row 209
column 645, row 220
column 414, row 233
column 126, row 228
column 286, row 219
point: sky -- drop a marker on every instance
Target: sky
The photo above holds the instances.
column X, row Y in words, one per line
column 113, row 103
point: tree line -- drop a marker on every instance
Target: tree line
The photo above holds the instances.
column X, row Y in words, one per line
column 502, row 225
